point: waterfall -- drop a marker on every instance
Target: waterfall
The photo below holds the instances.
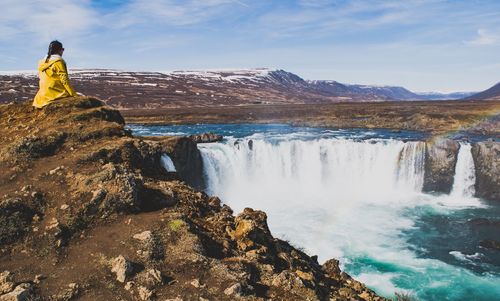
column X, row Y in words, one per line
column 167, row 163
column 465, row 175
column 357, row 196
column 325, row 170
column 411, row 165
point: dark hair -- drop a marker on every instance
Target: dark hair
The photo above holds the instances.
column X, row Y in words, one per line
column 54, row 47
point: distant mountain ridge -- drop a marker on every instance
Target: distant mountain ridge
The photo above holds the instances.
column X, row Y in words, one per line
column 125, row 90
column 492, row 93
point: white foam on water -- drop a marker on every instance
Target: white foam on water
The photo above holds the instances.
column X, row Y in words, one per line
column 466, row 257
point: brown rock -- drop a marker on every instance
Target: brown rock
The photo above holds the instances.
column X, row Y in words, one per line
column 440, row 161
column 122, row 268
column 150, row 278
column 487, row 163
column 206, row 138
column 287, row 280
column 251, row 229
column 144, row 293
column 304, row 275
column 234, row 290
column 22, row 292
column 331, row 267
column 6, row 282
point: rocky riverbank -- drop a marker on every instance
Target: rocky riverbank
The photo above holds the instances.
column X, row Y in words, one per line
column 438, row 118
column 87, row 212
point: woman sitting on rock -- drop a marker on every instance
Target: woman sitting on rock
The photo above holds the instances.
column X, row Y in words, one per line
column 54, row 80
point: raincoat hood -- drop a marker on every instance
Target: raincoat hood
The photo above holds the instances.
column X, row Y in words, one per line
column 42, row 65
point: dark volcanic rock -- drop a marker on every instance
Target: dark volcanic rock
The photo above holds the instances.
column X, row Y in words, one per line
column 490, row 244
column 36, row 147
column 187, row 159
column 487, row 163
column 15, row 219
column 251, row 229
column 440, row 161
column 206, row 138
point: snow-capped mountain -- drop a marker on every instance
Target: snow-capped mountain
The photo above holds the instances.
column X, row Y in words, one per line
column 125, row 89
column 444, row 96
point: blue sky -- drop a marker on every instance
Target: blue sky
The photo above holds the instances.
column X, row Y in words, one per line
column 423, row 45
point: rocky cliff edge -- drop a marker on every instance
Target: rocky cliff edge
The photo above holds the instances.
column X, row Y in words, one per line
column 87, row 212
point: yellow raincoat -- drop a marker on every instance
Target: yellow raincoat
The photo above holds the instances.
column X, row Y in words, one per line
column 54, row 81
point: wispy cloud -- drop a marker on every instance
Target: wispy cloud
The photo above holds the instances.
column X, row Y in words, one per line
column 173, row 12
column 347, row 40
column 483, row 38
column 45, row 19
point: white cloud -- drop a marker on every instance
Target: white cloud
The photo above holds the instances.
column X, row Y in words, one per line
column 45, row 19
column 483, row 38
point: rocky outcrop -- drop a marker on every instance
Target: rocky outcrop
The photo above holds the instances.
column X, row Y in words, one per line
column 440, row 161
column 487, row 163
column 100, row 215
column 206, row 138
column 187, row 159
column 122, row 267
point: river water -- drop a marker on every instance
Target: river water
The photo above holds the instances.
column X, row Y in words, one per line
column 356, row 195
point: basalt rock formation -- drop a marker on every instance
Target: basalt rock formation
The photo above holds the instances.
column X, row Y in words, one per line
column 87, row 212
column 487, row 163
column 441, row 158
column 206, row 138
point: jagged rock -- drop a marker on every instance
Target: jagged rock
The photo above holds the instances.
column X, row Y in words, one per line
column 129, row 285
column 39, row 146
column 187, row 159
column 251, row 229
column 151, row 247
column 206, row 138
column 22, row 292
column 331, row 267
column 234, row 290
column 144, row 236
column 305, row 275
column 440, row 161
column 6, row 282
column 195, row 283
column 490, row 244
column 122, row 268
column 287, row 280
column 144, row 293
column 68, row 294
column 487, row 163
column 150, row 278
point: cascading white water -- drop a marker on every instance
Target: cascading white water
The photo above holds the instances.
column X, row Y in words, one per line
column 465, row 175
column 323, row 170
column 167, row 163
